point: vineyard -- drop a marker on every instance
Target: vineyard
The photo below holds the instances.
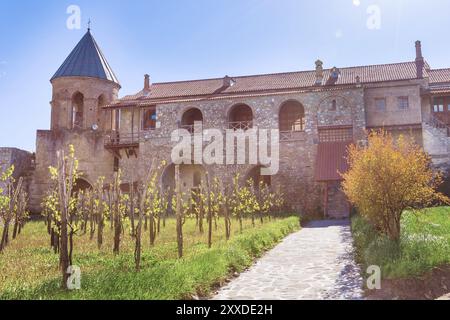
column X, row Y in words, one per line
column 146, row 243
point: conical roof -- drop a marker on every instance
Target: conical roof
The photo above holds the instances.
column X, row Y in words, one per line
column 86, row 60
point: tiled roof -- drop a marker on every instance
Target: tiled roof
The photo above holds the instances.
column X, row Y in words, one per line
column 331, row 161
column 86, row 60
column 439, row 81
column 276, row 82
column 439, row 75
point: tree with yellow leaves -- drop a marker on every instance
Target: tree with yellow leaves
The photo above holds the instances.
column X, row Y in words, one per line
column 388, row 177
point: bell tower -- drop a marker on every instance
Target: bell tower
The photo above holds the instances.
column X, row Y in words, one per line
column 82, row 85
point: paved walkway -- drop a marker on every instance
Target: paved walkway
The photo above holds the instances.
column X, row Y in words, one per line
column 314, row 263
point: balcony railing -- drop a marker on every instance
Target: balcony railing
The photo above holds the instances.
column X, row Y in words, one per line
column 188, row 127
column 114, row 139
column 240, row 125
column 292, row 135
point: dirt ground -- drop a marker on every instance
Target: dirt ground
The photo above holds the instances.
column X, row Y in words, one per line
column 430, row 286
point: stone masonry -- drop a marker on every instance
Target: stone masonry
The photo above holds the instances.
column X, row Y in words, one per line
column 108, row 133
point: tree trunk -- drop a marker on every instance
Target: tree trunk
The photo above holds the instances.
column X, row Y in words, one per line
column 210, row 218
column 4, row 240
column 15, row 228
column 71, row 248
column 152, row 229
column 179, row 213
column 138, row 235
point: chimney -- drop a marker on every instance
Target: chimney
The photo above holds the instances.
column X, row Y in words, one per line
column 147, row 83
column 228, row 82
column 319, row 72
column 420, row 61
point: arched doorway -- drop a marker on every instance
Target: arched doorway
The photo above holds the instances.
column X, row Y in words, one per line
column 190, row 117
column 240, row 117
column 191, row 176
column 292, row 117
column 81, row 185
column 254, row 175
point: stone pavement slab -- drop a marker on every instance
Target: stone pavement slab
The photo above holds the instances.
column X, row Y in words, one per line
column 315, row 263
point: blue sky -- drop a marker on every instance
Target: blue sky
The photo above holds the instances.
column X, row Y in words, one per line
column 190, row 39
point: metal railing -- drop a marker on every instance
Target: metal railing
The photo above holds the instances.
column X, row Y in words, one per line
column 240, row 125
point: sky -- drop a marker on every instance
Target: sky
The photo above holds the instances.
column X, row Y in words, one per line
column 194, row 39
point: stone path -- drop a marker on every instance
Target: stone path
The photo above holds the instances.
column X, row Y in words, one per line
column 314, row 263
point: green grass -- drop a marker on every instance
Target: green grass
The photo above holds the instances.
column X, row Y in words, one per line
column 424, row 244
column 29, row 269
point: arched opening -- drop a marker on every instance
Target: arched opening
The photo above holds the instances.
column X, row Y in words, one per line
column 77, row 110
column 190, row 117
column 101, row 102
column 254, row 175
column 81, row 185
column 240, row 117
column 191, row 176
column 292, row 117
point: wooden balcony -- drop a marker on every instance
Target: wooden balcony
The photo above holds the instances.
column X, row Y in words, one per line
column 116, row 140
column 292, row 135
column 240, row 125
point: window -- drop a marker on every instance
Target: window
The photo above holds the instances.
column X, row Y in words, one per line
column 403, row 103
column 77, row 111
column 380, row 104
column 149, row 119
column 336, row 134
column 333, row 106
column 115, row 120
column 240, row 117
column 438, row 105
column 190, row 118
column 101, row 102
column 292, row 117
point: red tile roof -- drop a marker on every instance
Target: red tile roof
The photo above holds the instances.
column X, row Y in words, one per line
column 439, row 81
column 439, row 75
column 331, row 161
column 274, row 82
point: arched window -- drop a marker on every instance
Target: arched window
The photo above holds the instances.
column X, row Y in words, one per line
column 292, row 117
column 240, row 117
column 190, row 117
column 77, row 110
column 101, row 102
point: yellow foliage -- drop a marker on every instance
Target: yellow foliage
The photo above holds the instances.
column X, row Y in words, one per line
column 388, row 177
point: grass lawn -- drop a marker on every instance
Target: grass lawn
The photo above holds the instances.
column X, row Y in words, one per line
column 425, row 244
column 29, row 268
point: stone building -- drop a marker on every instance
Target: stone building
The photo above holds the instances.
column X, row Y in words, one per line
column 318, row 112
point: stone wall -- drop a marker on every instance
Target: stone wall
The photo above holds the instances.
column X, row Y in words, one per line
column 94, row 159
column 297, row 156
column 92, row 90
column 22, row 161
column 393, row 116
column 351, row 106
